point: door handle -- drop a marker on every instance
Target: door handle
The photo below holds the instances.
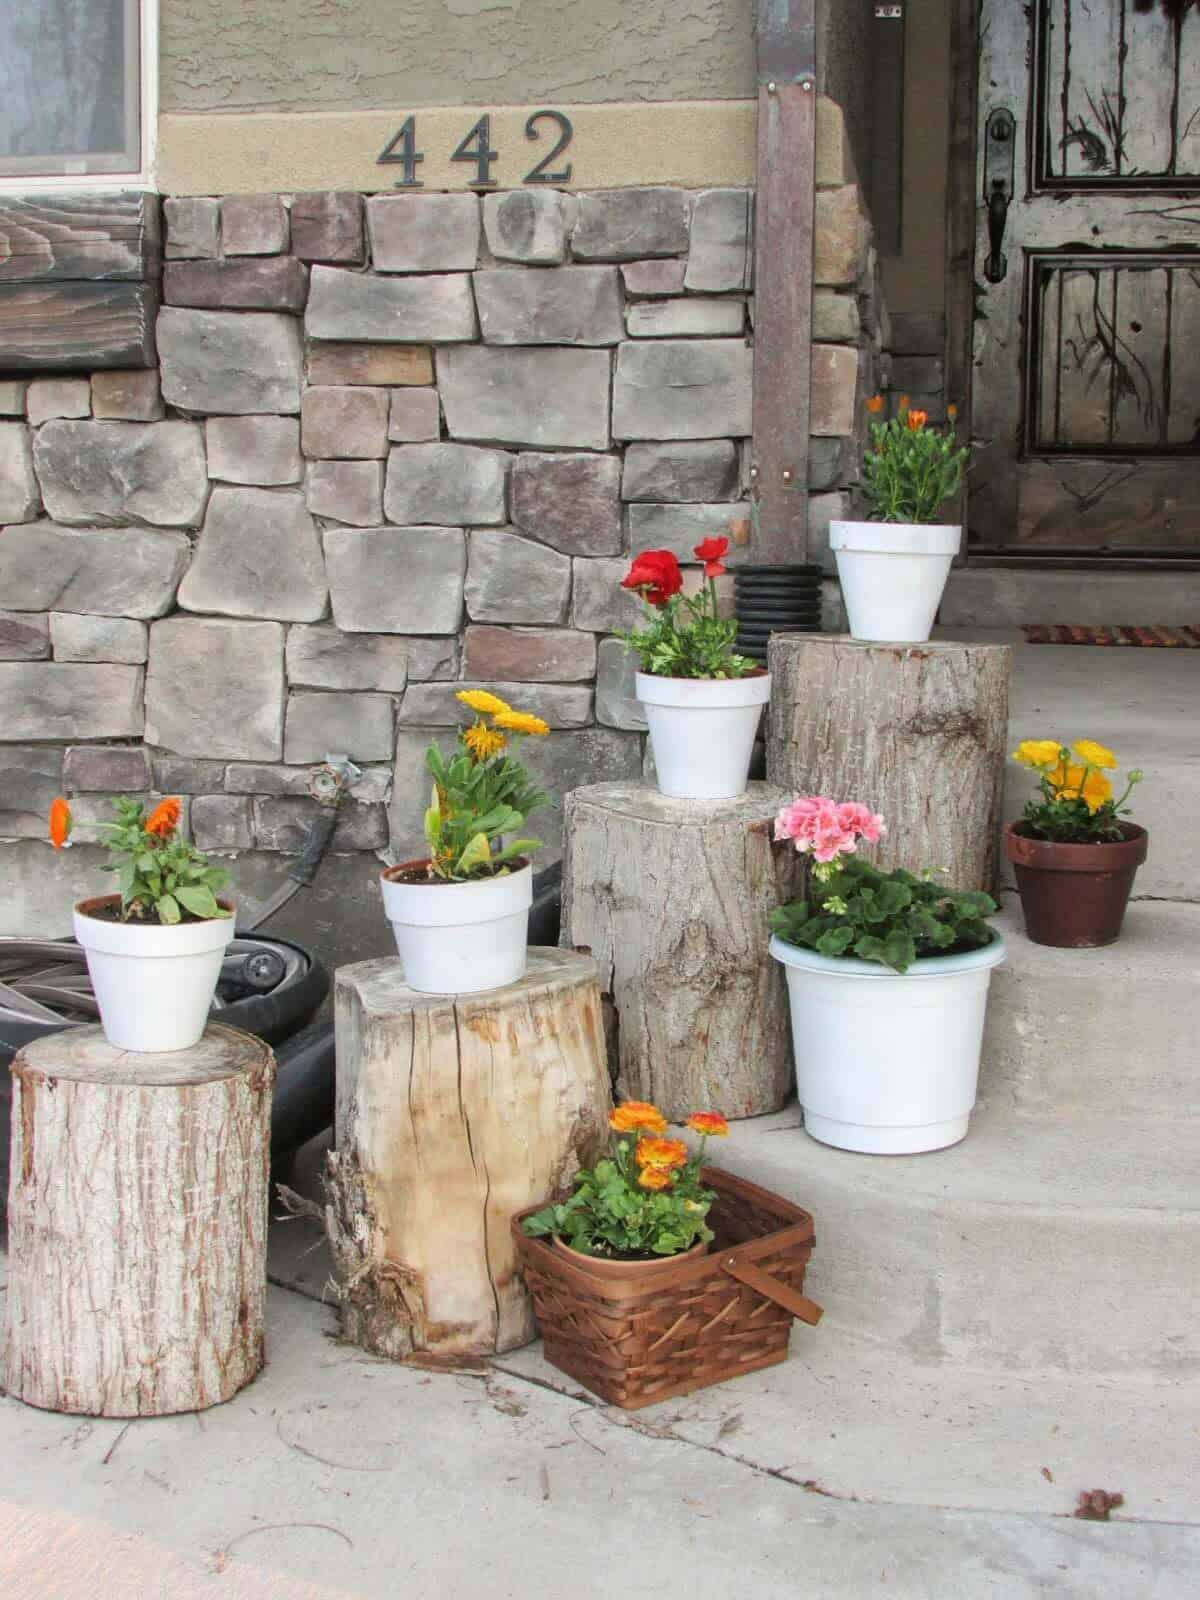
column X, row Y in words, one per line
column 999, row 168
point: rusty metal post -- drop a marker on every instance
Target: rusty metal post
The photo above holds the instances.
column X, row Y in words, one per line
column 783, row 266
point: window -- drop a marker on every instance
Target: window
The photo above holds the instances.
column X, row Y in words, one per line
column 75, row 77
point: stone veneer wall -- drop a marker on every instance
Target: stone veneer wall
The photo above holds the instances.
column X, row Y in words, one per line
column 396, row 444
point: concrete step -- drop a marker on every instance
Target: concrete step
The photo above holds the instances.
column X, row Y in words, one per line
column 1005, row 597
column 1100, row 1032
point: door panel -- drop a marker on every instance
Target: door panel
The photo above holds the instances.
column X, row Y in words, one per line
column 1086, row 403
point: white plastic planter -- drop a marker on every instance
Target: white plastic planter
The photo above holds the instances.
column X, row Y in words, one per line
column 702, row 732
column 887, row 1063
column 154, row 982
column 892, row 576
column 460, row 938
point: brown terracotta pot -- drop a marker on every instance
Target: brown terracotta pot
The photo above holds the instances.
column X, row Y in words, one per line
column 616, row 1268
column 1074, row 895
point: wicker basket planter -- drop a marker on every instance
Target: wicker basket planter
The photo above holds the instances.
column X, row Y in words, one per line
column 687, row 1323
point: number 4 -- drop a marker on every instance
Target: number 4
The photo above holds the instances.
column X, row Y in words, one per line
column 401, row 148
column 477, row 147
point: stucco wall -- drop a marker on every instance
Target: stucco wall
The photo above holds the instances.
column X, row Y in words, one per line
column 307, row 54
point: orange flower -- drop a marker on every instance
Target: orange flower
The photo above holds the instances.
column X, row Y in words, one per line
column 655, row 1178
column 637, row 1116
column 708, row 1122
column 60, row 822
column 916, row 420
column 668, row 1154
column 164, row 819
column 952, row 412
column 875, row 404
column 902, row 403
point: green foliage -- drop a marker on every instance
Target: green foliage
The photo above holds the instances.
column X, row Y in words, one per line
column 611, row 1215
column 473, row 804
column 910, row 472
column 685, row 638
column 159, row 874
column 894, row 918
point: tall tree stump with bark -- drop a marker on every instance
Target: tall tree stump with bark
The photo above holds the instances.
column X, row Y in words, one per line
column 918, row 732
column 453, row 1114
column 137, row 1223
column 672, row 898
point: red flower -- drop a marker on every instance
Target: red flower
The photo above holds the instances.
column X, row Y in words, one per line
column 710, row 552
column 656, row 575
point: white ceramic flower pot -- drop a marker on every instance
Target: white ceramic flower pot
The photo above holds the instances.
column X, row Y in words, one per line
column 887, row 1063
column 460, row 938
column 154, row 982
column 892, row 576
column 702, row 732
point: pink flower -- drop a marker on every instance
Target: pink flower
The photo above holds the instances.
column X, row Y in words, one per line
column 866, row 823
column 826, row 829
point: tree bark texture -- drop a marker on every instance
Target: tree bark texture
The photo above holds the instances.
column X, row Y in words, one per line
column 137, row 1223
column 672, row 898
column 453, row 1114
column 918, row 732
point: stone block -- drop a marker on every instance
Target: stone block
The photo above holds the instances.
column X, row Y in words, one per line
column 328, row 226
column 193, row 227
column 20, row 500
column 839, row 236
column 78, row 637
column 835, row 317
column 24, row 636
column 572, row 502
column 371, row 787
column 918, row 374
column 214, row 688
column 31, row 775
column 834, row 161
column 396, row 580
column 379, row 365
column 283, row 824
column 256, row 450
column 12, row 396
column 447, row 484
column 599, row 604
column 682, row 389
column 230, row 363
column 272, row 283
column 222, row 822
column 685, row 469
column 346, row 491
column 679, row 528
column 357, row 725
column 434, row 705
column 570, row 305
column 529, row 225
column 830, row 462
column 431, row 658
column 823, row 509
column 626, row 224
column 721, row 253
column 57, row 397
column 181, row 775
column 617, row 704
column 133, row 396
column 834, row 387
column 117, row 572
column 327, row 658
column 432, row 308
column 528, row 655
column 107, row 769
column 113, row 472
column 66, row 700
column 345, row 422
column 918, row 333
column 694, row 316
column 545, row 398
column 254, row 225
column 510, row 579
column 663, row 276
column 258, row 555
column 414, row 416
column 423, row 232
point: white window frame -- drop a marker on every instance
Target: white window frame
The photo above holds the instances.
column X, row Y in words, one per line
column 143, row 178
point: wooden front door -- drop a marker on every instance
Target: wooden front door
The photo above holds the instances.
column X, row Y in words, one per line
column 1086, row 384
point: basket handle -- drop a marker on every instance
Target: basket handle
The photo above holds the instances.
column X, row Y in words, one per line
column 781, row 1293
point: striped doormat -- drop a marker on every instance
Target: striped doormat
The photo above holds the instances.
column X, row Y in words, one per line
column 1183, row 638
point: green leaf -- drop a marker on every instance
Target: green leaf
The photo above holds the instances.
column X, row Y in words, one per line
column 168, row 909
column 478, row 853
column 200, row 901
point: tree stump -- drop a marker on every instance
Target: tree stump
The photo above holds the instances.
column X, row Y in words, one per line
column 137, row 1223
column 453, row 1114
column 918, row 732
column 672, row 898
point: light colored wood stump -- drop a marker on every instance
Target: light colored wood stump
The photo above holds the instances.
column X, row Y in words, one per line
column 453, row 1114
column 672, row 898
column 918, row 732
column 137, row 1223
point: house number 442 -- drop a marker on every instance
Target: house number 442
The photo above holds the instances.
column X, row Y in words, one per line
column 401, row 150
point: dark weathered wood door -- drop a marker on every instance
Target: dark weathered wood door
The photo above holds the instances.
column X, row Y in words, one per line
column 1086, row 386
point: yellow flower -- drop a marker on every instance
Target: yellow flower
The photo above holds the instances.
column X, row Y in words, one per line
column 1038, row 753
column 1095, row 790
column 480, row 700
column 1094, row 755
column 521, row 722
column 483, row 741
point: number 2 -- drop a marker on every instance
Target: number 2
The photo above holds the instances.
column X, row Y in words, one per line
column 565, row 131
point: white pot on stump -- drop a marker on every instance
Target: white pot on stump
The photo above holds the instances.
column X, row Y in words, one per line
column 892, row 576
column 702, row 732
column 459, row 938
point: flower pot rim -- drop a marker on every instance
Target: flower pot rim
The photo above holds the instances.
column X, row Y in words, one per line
column 81, row 909
column 1025, row 849
column 518, row 865
column 667, row 677
column 895, row 538
column 613, row 1267
column 924, row 968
